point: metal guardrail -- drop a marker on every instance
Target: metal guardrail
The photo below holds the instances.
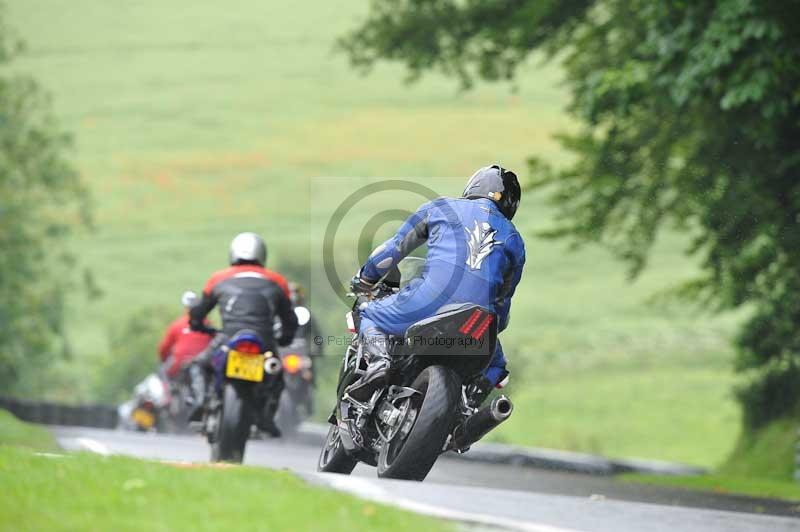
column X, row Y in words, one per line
column 47, row 413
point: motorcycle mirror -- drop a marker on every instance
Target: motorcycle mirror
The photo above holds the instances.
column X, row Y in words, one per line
column 303, row 315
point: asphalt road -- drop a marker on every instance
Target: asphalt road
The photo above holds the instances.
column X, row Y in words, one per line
column 503, row 495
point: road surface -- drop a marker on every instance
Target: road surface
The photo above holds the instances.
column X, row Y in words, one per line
column 508, row 496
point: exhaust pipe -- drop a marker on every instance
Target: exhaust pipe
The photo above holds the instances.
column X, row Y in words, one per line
column 482, row 422
column 272, row 366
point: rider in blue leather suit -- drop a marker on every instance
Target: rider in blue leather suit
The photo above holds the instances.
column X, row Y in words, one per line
column 475, row 255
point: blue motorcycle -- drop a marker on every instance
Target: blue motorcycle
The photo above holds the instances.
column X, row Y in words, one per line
column 246, row 376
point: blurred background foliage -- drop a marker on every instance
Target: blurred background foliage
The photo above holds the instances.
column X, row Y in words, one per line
column 132, row 354
column 41, row 199
column 193, row 122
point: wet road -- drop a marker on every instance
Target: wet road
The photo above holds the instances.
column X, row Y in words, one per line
column 513, row 497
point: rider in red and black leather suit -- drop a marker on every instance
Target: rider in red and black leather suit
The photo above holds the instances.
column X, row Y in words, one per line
column 180, row 344
column 249, row 296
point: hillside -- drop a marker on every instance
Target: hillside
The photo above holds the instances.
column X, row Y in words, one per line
column 195, row 121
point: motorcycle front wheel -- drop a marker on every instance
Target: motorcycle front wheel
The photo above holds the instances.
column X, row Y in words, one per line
column 429, row 416
column 333, row 458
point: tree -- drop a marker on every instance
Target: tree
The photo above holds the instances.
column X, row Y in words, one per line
column 134, row 353
column 690, row 118
column 41, row 198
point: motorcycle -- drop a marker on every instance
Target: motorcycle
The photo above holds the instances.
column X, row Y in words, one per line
column 246, row 376
column 426, row 408
column 147, row 410
column 179, row 389
column 296, row 402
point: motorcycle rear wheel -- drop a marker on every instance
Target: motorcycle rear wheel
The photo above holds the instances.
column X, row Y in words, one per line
column 411, row 457
column 234, row 425
column 333, row 458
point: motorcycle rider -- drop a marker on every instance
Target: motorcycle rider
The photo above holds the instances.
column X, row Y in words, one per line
column 249, row 297
column 307, row 329
column 180, row 343
column 475, row 255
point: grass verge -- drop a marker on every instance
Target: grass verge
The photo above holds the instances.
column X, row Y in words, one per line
column 88, row 492
column 727, row 484
column 762, row 465
column 21, row 434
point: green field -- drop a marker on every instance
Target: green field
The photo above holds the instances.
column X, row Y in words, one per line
column 761, row 465
column 194, row 121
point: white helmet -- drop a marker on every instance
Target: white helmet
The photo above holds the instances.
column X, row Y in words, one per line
column 189, row 299
column 248, row 247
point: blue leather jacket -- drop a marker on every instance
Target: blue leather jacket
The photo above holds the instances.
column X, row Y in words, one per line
column 475, row 255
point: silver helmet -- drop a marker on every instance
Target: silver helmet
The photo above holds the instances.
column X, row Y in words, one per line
column 497, row 184
column 189, row 299
column 248, row 247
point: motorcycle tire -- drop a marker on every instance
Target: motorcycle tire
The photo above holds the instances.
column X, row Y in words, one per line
column 333, row 458
column 234, row 428
column 412, row 457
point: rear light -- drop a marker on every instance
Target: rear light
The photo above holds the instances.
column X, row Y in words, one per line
column 351, row 324
column 472, row 328
column 292, row 363
column 470, row 323
column 245, row 346
column 481, row 330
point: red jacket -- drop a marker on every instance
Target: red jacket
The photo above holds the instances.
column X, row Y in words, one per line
column 181, row 343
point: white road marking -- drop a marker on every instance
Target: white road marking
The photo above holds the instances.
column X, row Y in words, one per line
column 93, row 446
column 371, row 490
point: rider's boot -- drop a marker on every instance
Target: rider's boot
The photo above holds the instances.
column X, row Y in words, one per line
column 197, row 388
column 266, row 416
column 376, row 347
column 376, row 376
column 478, row 390
column 267, row 425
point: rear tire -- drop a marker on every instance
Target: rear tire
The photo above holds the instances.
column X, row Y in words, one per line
column 237, row 418
column 412, row 458
column 333, row 458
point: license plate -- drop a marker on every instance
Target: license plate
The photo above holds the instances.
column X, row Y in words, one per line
column 144, row 418
column 245, row 366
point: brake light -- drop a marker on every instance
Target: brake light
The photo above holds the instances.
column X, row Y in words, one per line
column 470, row 328
column 470, row 323
column 482, row 328
column 351, row 324
column 245, row 346
column 292, row 363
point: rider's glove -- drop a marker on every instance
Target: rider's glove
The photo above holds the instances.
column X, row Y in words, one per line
column 360, row 285
column 203, row 328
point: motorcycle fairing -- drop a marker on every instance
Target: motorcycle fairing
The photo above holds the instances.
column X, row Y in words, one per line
column 462, row 337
